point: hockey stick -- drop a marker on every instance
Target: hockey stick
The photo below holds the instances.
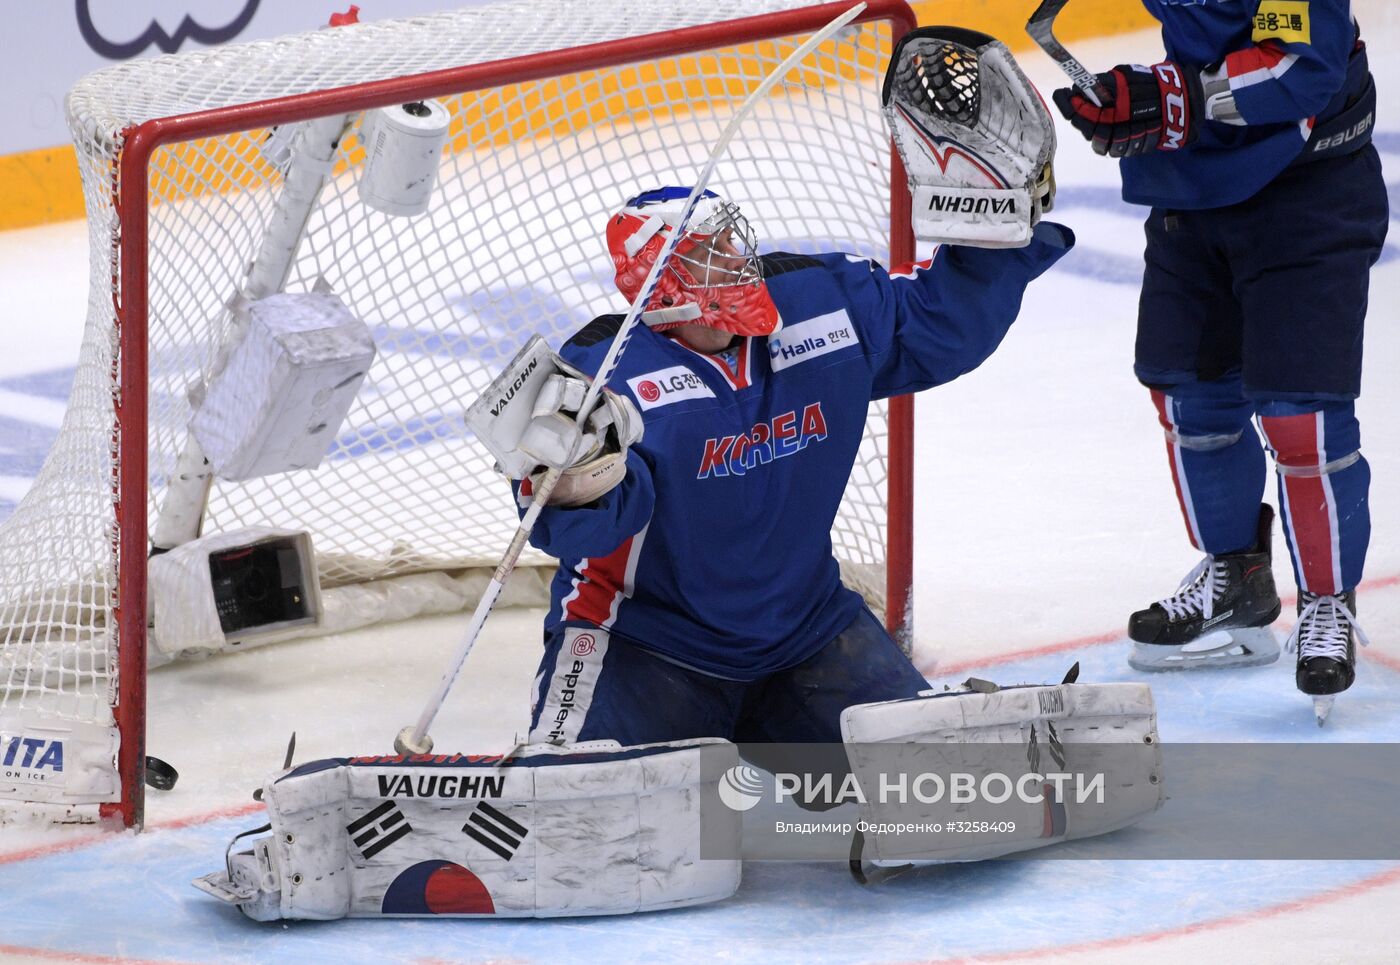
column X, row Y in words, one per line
column 415, row 739
column 1041, row 27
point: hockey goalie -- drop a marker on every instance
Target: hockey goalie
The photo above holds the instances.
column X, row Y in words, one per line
column 697, row 597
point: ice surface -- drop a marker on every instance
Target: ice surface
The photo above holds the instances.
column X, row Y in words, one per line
column 1045, row 515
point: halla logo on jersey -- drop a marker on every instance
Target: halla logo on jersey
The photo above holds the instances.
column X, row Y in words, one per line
column 809, row 339
column 785, row 351
column 33, row 760
column 785, row 435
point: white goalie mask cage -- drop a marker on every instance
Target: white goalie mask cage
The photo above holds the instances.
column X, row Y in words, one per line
column 725, row 238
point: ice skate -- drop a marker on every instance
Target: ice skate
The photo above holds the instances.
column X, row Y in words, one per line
column 1218, row 617
column 1325, row 639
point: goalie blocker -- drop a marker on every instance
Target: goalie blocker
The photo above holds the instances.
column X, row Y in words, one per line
column 975, row 137
column 528, row 418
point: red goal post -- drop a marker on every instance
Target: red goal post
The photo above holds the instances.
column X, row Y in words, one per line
column 160, row 216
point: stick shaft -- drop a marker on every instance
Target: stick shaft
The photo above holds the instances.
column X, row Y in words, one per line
column 609, row 365
column 485, row 605
column 653, row 277
column 1041, row 27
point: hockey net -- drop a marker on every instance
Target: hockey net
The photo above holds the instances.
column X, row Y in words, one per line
column 560, row 111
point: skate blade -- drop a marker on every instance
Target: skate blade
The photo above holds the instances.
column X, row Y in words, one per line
column 1235, row 647
column 1322, row 706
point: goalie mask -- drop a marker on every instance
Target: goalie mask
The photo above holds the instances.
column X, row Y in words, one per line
column 975, row 137
column 712, row 278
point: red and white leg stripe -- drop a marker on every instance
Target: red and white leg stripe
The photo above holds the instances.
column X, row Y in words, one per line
column 1299, row 445
column 1163, row 402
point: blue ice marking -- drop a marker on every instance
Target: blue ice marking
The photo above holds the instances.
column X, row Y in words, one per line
column 395, row 437
column 52, row 384
column 25, row 445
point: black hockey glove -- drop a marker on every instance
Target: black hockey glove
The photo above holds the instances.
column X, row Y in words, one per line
column 1152, row 107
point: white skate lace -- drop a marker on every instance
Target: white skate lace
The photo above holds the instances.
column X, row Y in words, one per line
column 1198, row 591
column 1323, row 628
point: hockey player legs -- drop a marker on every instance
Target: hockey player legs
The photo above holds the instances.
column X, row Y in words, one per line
column 1284, row 349
column 1251, row 145
column 593, row 685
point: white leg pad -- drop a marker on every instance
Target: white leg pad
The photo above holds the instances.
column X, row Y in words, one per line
column 1027, row 734
column 593, row 829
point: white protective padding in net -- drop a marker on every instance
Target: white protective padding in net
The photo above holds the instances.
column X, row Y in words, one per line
column 511, row 246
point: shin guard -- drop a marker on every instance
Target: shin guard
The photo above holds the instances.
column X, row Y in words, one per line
column 1323, row 481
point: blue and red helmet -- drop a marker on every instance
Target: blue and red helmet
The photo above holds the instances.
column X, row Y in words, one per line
column 713, row 277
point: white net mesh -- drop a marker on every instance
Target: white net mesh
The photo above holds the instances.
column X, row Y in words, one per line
column 511, row 246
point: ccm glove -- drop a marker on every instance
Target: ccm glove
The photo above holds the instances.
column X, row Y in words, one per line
column 1153, row 107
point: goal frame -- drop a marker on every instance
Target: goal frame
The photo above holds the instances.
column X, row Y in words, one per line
column 131, row 197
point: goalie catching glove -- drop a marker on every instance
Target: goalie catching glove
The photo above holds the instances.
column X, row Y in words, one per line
column 528, row 419
column 975, row 137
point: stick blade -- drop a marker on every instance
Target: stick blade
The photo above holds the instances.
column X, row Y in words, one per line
column 1041, row 24
column 1041, row 27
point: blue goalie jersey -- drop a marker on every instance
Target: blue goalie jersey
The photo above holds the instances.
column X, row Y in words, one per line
column 715, row 551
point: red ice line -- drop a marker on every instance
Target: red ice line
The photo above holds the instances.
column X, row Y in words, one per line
column 943, row 670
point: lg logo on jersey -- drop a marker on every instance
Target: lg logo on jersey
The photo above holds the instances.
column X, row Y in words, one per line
column 665, row 386
column 155, row 35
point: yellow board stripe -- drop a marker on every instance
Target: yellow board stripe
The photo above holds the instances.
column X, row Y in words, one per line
column 501, row 116
column 40, row 186
column 1006, row 19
